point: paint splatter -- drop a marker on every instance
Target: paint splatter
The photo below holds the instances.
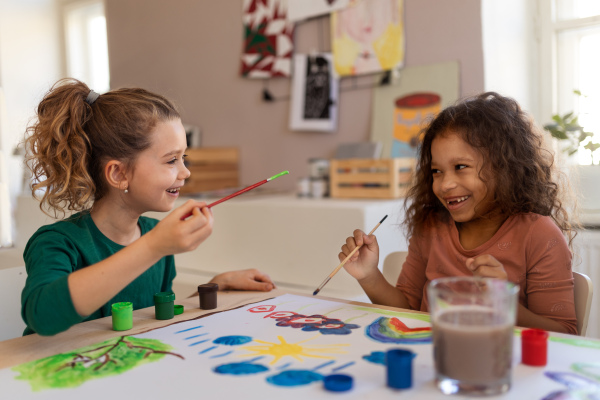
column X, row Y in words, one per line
column 234, row 340
column 376, row 357
column 392, row 330
column 241, row 368
column 294, row 377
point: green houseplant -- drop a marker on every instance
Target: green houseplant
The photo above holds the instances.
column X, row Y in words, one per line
column 566, row 127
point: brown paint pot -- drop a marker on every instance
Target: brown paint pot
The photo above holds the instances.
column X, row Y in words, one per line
column 208, row 295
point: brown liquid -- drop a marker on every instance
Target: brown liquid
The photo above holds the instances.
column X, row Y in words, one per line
column 477, row 352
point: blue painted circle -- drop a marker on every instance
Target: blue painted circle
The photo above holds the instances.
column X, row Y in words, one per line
column 234, row 340
column 240, row 369
column 294, row 377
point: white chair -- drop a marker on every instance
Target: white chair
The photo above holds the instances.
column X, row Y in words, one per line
column 12, row 282
column 392, row 265
column 583, row 290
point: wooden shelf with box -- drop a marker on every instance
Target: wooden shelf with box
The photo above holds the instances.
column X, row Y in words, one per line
column 211, row 168
column 371, row 178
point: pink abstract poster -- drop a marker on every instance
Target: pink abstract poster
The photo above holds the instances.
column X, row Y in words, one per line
column 268, row 42
column 368, row 37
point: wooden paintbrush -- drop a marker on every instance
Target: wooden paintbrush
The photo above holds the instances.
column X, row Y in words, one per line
column 345, row 259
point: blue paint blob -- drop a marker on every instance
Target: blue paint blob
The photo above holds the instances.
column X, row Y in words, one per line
column 232, row 340
column 294, row 377
column 376, row 357
column 240, row 369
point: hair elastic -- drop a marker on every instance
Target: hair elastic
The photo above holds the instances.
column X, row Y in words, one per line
column 91, row 97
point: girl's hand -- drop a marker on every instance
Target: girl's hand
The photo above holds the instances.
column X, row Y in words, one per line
column 248, row 279
column 486, row 266
column 364, row 261
column 172, row 235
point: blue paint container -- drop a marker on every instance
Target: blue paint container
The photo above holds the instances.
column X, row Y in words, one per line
column 338, row 382
column 399, row 368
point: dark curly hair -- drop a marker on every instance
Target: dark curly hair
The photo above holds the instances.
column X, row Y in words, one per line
column 71, row 140
column 526, row 179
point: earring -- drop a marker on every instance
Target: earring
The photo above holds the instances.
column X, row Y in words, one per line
column 125, row 191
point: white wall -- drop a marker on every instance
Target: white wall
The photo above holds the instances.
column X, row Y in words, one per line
column 510, row 51
column 30, row 62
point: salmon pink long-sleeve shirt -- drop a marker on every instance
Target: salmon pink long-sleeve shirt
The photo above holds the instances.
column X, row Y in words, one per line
column 531, row 248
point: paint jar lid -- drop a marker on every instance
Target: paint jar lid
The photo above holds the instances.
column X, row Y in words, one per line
column 178, row 309
column 534, row 347
column 164, row 297
column 208, row 287
column 338, row 382
column 123, row 305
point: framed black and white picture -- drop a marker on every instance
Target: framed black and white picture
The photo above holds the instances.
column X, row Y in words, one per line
column 314, row 94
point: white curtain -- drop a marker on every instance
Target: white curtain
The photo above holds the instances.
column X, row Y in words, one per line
column 5, row 210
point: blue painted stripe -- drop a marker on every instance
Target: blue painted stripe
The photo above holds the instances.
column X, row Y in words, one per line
column 323, row 365
column 344, row 366
column 195, row 343
column 223, row 355
column 195, row 336
column 209, row 349
column 285, row 366
column 189, row 329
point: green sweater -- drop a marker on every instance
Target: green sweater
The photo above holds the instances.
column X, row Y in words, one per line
column 56, row 250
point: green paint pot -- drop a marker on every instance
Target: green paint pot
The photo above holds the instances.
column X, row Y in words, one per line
column 122, row 316
column 164, row 305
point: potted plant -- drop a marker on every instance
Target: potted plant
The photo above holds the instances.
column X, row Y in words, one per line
column 567, row 128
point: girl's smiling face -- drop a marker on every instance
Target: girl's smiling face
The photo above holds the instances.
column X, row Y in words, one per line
column 159, row 171
column 456, row 169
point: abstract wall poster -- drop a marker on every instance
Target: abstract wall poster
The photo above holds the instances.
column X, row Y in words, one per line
column 304, row 9
column 368, row 37
column 402, row 109
column 268, row 44
column 315, row 93
column 279, row 348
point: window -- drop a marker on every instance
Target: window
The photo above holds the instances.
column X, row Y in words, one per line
column 86, row 43
column 570, row 40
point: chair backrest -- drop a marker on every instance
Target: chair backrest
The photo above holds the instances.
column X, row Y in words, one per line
column 12, row 282
column 392, row 265
column 583, row 290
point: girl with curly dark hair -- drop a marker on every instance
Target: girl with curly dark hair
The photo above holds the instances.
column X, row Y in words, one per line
column 109, row 158
column 487, row 201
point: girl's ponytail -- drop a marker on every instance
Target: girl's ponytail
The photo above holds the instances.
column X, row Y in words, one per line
column 58, row 149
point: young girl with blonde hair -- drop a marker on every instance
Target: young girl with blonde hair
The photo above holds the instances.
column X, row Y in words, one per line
column 109, row 158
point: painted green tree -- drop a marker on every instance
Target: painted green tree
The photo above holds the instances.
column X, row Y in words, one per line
column 112, row 357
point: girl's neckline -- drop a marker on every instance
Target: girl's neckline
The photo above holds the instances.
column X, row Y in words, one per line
column 486, row 243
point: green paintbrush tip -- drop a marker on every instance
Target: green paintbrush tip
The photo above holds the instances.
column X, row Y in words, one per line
column 278, row 175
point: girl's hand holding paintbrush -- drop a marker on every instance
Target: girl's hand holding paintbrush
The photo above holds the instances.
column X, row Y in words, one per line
column 172, row 235
column 364, row 261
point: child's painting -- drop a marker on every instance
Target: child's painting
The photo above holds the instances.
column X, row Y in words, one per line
column 268, row 37
column 304, row 9
column 278, row 348
column 314, row 94
column 401, row 110
column 368, row 37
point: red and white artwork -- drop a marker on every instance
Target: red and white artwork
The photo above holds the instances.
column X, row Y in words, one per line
column 268, row 42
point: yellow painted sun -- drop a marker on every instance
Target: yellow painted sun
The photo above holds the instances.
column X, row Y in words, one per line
column 295, row 350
